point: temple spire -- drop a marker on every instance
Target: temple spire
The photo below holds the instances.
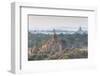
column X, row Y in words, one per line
column 80, row 29
column 54, row 35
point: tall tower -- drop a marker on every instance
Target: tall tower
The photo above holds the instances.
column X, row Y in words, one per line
column 54, row 34
column 80, row 31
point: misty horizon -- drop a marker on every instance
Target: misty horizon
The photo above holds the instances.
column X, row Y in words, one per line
column 58, row 23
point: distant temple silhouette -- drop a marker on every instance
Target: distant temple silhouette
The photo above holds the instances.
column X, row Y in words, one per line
column 80, row 31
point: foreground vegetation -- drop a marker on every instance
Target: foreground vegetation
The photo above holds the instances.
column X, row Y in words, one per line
column 66, row 54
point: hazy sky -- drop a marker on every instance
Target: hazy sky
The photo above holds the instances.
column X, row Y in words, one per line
column 59, row 23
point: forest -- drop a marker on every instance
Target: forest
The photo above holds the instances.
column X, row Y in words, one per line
column 75, row 46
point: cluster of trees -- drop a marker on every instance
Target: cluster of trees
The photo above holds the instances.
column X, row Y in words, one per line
column 75, row 40
column 70, row 40
column 66, row 54
column 37, row 39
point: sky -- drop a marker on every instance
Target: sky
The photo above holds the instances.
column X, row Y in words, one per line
column 37, row 22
